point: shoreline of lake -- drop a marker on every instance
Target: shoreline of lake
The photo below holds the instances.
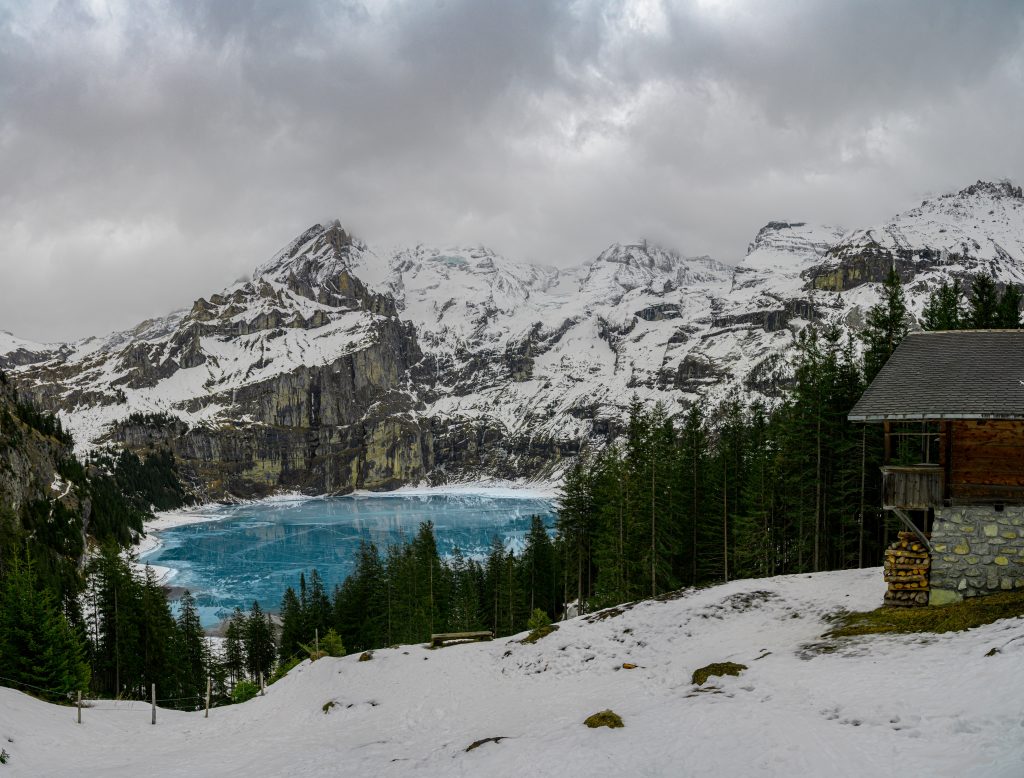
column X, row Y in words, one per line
column 469, row 502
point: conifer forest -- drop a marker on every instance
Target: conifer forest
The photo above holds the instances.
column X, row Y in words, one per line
column 732, row 491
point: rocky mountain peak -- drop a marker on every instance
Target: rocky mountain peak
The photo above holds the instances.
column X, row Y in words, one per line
column 770, row 232
column 625, row 267
column 782, row 245
column 998, row 189
column 319, row 252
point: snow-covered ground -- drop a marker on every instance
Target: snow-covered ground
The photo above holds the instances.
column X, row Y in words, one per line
column 933, row 705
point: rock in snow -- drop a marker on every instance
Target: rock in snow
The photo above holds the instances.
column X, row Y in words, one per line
column 935, row 705
column 342, row 366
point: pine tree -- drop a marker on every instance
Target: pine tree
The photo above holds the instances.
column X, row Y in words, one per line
column 318, row 609
column 886, row 325
column 984, row 303
column 39, row 650
column 192, row 652
column 157, row 637
column 291, row 624
column 1008, row 313
column 259, row 643
column 576, row 524
column 692, row 480
column 235, row 660
column 465, row 612
column 944, row 310
column 360, row 608
column 539, row 580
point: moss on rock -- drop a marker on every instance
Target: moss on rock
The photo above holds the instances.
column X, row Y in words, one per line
column 606, row 718
column 539, row 633
column 716, row 669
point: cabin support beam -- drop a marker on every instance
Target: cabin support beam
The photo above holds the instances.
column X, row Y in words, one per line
column 909, row 523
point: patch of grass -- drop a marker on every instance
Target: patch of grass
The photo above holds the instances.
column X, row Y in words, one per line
column 972, row 612
column 716, row 669
column 606, row 718
column 366, row 656
column 478, row 743
column 539, row 633
column 244, row 691
column 328, row 705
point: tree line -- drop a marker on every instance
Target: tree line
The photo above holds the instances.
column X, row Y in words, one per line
column 73, row 614
column 982, row 308
column 722, row 491
column 409, row 592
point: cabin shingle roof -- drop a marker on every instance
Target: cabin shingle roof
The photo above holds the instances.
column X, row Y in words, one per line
column 967, row 374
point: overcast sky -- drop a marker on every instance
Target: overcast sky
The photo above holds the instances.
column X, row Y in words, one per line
column 151, row 153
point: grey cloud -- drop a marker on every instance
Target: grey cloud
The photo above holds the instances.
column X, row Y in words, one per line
column 151, row 152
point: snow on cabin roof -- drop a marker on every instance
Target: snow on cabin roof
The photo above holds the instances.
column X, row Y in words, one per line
column 966, row 374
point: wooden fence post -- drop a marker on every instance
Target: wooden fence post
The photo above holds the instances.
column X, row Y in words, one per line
column 79, row 706
column 209, row 685
column 263, row 687
column 154, row 704
column 316, row 638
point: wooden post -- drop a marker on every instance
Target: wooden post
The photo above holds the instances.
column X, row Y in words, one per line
column 154, row 703
column 947, row 487
column 263, row 688
column 316, row 642
column 209, row 686
column 79, row 706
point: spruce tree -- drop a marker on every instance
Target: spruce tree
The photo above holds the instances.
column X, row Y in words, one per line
column 576, row 524
column 40, row 652
column 984, row 303
column 291, row 624
column 692, row 481
column 318, row 609
column 944, row 310
column 192, row 651
column 235, row 660
column 1008, row 314
column 158, row 638
column 886, row 325
column 539, row 582
column 260, row 650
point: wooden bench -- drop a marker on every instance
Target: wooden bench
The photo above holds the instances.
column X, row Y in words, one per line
column 439, row 639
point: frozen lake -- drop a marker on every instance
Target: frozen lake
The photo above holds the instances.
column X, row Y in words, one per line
column 242, row 553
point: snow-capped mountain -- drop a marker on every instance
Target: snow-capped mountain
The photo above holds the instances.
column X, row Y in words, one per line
column 340, row 365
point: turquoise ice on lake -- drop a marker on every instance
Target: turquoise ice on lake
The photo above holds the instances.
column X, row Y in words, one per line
column 254, row 551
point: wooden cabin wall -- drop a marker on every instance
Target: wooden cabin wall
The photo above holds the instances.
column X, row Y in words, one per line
column 987, row 460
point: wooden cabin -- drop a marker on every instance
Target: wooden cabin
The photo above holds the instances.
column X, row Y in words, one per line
column 952, row 405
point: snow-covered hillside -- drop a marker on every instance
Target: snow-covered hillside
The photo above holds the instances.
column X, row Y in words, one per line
column 937, row 705
column 480, row 364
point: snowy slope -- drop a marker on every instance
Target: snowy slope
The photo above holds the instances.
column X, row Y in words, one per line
column 936, row 705
column 984, row 221
column 16, row 351
column 533, row 360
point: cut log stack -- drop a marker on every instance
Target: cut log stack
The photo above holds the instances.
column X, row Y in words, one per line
column 906, row 571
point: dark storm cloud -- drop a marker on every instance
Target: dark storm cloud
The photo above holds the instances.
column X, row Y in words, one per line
column 152, row 152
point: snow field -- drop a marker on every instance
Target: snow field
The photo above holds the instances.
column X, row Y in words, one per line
column 935, row 704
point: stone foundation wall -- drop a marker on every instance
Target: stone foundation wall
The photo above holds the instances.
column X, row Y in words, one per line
column 977, row 550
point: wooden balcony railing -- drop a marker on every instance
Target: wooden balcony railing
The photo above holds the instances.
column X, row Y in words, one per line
column 913, row 487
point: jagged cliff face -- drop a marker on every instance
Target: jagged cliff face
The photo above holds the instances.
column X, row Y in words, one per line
column 339, row 366
column 29, row 461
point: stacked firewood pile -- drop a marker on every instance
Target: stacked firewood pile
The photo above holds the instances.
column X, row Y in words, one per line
column 906, row 571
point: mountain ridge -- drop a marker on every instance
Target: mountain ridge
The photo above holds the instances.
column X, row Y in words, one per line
column 341, row 366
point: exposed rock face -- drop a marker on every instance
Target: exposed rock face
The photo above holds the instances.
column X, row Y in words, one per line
column 980, row 227
column 28, row 462
column 337, row 367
